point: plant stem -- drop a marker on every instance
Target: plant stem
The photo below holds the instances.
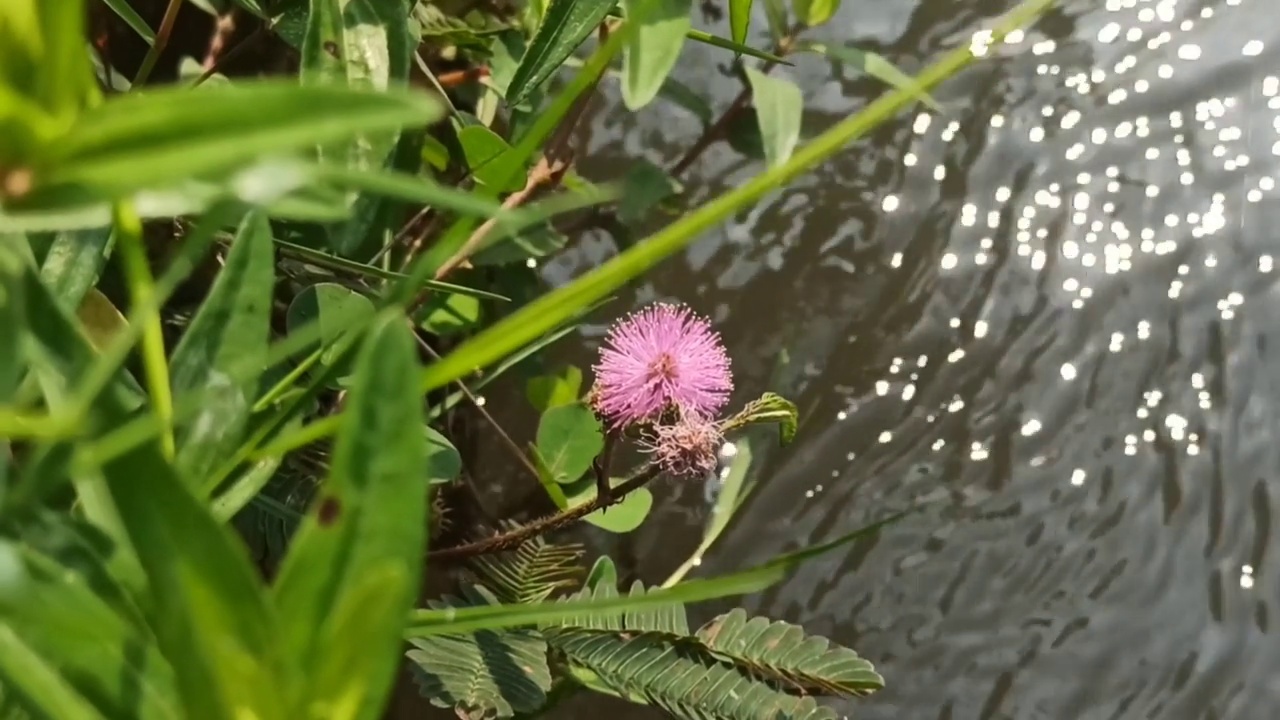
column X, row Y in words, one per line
column 513, row 538
column 162, row 39
column 142, row 294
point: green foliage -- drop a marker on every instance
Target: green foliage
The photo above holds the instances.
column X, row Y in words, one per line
column 569, row 439
column 300, row 358
column 654, row 47
column 779, row 108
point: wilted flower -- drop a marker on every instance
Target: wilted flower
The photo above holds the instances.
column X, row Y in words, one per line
column 688, row 447
column 661, row 357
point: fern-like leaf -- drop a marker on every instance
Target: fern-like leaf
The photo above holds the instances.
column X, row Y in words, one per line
column 485, row 674
column 782, row 653
column 531, row 573
column 667, row 618
column 680, row 676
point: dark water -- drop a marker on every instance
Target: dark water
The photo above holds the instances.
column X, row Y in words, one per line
column 1051, row 314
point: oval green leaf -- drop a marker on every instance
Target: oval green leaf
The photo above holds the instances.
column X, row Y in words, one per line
column 444, row 463
column 779, row 108
column 337, row 309
column 569, row 439
column 653, row 48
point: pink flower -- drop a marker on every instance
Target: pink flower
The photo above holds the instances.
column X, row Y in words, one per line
column 662, row 357
column 686, row 448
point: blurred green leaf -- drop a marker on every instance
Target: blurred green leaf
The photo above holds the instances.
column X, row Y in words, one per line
column 72, row 263
column 732, row 492
column 739, row 20
column 360, row 44
column 147, row 140
column 229, row 332
column 206, row 603
column 644, row 186
column 13, row 317
column 569, row 439
column 104, row 657
column 452, row 314
column 875, row 66
column 534, row 241
column 444, row 464
column 566, row 24
column 768, row 408
column 602, row 574
column 480, row 147
column 681, row 94
column 779, row 107
column 337, row 308
column 653, row 48
column 743, row 134
column 625, row 516
column 488, row 674
column 131, row 18
column 815, row 12
column 552, row 390
column 101, row 320
column 367, row 524
column 39, row 684
column 776, row 12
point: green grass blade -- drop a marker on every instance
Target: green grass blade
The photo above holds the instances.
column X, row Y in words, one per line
column 370, row 517
column 131, row 18
column 207, row 605
column 142, row 141
column 452, row 620
column 38, row 683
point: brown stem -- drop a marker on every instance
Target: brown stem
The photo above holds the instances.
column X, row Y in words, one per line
column 513, row 538
column 235, row 52
column 162, row 39
column 716, row 130
column 223, row 29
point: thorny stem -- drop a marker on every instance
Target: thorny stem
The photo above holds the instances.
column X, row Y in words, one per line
column 162, row 39
column 513, row 538
column 223, row 29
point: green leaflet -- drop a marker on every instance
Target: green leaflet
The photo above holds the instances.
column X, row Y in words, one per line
column 653, row 47
column 566, row 24
column 783, row 653
column 216, row 364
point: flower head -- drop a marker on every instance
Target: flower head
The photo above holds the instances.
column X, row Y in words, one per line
column 687, row 447
column 662, row 357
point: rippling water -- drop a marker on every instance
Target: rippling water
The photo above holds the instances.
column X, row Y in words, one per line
column 1049, row 313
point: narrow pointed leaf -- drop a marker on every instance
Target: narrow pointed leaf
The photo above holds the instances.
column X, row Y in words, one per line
column 739, row 48
column 208, row 607
column 779, row 107
column 141, row 141
column 106, row 658
column 653, row 48
column 37, row 683
column 72, row 262
column 566, row 24
column 132, row 19
column 370, row 514
column 229, row 333
column 739, row 20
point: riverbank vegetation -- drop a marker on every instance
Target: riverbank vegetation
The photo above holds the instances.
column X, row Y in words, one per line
column 257, row 261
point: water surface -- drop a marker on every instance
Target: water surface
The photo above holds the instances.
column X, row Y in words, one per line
column 1048, row 313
